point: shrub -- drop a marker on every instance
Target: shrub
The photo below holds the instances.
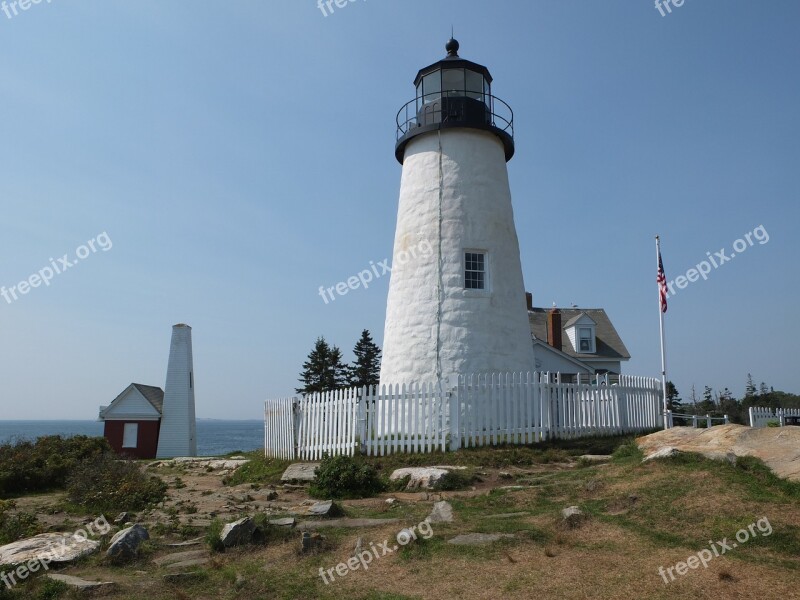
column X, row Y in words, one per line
column 628, row 451
column 455, row 480
column 17, row 526
column 106, row 484
column 213, row 539
column 45, row 464
column 345, row 477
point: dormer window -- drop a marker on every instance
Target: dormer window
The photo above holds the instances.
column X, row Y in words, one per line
column 581, row 330
column 586, row 340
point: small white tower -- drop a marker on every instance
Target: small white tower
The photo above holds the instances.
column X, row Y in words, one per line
column 178, row 434
column 461, row 308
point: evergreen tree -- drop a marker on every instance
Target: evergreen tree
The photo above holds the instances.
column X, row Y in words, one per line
column 750, row 387
column 366, row 369
column 763, row 390
column 674, row 403
column 323, row 371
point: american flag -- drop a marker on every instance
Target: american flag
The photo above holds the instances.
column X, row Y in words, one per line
column 662, row 284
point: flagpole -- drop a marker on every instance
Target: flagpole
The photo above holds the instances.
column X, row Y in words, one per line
column 663, row 346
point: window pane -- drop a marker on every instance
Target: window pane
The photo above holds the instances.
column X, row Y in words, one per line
column 474, row 85
column 474, row 271
column 432, row 86
column 130, row 435
column 453, row 82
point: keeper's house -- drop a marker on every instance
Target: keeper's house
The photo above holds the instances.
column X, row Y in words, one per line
column 133, row 420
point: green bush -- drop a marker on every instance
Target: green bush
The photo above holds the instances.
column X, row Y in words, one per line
column 345, row 477
column 16, row 526
column 213, row 539
column 45, row 464
column 628, row 451
column 107, row 484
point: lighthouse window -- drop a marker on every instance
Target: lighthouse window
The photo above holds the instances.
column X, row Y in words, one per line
column 432, row 87
column 474, row 85
column 474, row 271
column 453, row 82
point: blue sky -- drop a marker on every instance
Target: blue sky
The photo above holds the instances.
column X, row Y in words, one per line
column 239, row 155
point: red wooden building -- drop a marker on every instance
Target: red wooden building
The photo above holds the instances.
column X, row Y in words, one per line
column 133, row 420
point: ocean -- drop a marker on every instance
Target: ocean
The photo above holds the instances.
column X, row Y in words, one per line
column 213, row 437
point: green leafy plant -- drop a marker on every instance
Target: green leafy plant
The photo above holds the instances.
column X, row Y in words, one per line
column 106, row 484
column 346, row 477
column 16, row 526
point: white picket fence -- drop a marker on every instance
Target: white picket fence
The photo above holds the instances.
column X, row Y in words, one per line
column 761, row 417
column 491, row 409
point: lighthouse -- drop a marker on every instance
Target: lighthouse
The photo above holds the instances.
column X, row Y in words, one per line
column 461, row 308
column 178, row 434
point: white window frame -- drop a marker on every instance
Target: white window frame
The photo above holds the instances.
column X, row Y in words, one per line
column 591, row 340
column 487, row 273
column 127, row 428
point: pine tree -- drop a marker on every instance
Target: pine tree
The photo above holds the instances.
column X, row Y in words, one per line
column 707, row 394
column 366, row 369
column 323, row 371
column 750, row 387
column 674, row 403
column 763, row 390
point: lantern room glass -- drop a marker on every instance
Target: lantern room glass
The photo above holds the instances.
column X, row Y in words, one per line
column 453, row 83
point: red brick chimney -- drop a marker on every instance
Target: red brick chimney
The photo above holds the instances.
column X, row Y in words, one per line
column 554, row 328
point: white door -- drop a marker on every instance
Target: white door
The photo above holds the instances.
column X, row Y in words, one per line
column 130, row 435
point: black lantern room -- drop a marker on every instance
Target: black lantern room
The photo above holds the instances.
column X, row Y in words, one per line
column 454, row 93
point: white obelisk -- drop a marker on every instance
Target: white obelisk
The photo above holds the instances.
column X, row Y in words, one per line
column 461, row 308
column 178, row 433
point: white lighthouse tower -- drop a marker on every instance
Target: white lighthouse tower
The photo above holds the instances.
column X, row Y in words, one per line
column 178, row 433
column 461, row 308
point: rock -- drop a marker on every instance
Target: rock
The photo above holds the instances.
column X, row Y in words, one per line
column 122, row 518
column 194, row 542
column 328, row 508
column 286, row 522
column 420, row 477
column 346, row 523
column 53, row 548
column 310, row 541
column 186, row 564
column 391, row 501
column 273, row 495
column 595, row 458
column 300, row 472
column 478, row 539
column 179, row 557
column 81, row 585
column 666, row 452
column 778, row 447
column 572, row 516
column 125, row 544
column 505, row 475
column 442, row 513
column 238, row 533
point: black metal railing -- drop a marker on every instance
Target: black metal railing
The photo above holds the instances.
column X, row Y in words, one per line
column 455, row 107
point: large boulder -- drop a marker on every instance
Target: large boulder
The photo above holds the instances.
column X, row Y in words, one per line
column 50, row 548
column 422, row 477
column 124, row 546
column 238, row 533
column 304, row 472
column 778, row 447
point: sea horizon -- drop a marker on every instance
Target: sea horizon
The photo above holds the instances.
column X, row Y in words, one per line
column 214, row 436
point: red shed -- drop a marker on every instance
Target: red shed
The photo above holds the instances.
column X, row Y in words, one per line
column 133, row 420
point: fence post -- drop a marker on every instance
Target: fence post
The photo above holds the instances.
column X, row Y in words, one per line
column 727, row 420
column 708, row 421
column 694, row 421
column 455, row 413
column 670, row 422
column 781, row 417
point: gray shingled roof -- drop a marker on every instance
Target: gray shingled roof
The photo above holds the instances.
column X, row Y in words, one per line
column 608, row 343
column 154, row 395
